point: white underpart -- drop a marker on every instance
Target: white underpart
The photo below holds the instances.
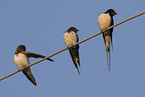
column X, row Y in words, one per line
column 70, row 38
column 21, row 60
column 104, row 20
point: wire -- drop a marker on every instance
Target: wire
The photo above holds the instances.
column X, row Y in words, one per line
column 73, row 45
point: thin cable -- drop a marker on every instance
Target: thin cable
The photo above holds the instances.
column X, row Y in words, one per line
column 73, row 45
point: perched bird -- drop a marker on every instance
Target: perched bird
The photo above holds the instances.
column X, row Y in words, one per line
column 105, row 20
column 70, row 38
column 21, row 60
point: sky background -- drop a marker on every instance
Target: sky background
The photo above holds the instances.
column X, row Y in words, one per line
column 40, row 25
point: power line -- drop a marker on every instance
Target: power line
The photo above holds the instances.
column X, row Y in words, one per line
column 73, row 45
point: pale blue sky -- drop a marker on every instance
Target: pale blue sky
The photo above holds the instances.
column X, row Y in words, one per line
column 40, row 25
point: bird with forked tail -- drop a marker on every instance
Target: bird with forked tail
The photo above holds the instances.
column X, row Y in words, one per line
column 21, row 60
column 105, row 20
column 70, row 38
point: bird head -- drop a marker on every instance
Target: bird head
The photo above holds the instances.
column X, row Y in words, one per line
column 111, row 12
column 20, row 48
column 72, row 29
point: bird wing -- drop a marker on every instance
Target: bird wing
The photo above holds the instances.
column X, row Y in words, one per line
column 34, row 55
column 75, row 56
column 111, row 31
column 29, row 75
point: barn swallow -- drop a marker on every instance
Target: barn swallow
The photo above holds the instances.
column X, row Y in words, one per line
column 105, row 20
column 70, row 38
column 21, row 60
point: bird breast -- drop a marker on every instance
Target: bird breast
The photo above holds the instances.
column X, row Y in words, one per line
column 21, row 60
column 70, row 38
column 104, row 20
